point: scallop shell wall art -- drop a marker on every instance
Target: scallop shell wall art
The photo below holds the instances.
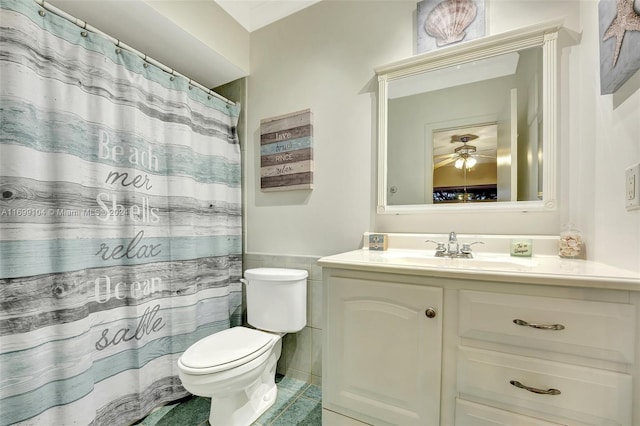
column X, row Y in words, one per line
column 443, row 22
column 448, row 20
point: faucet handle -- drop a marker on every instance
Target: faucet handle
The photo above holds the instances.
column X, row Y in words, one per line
column 440, row 248
column 466, row 247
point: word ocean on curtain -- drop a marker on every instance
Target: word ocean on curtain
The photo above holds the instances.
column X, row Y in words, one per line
column 120, row 224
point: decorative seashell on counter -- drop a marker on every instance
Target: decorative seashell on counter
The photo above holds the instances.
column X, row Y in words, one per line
column 449, row 19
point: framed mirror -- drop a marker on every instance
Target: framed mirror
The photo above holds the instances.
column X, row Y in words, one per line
column 471, row 126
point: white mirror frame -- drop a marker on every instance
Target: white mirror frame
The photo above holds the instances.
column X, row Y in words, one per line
column 544, row 35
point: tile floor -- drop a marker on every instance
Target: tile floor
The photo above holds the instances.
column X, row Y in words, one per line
column 298, row 403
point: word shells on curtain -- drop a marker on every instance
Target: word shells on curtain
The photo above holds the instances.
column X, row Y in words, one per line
column 120, row 224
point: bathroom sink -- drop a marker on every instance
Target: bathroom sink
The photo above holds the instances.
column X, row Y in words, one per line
column 402, row 255
column 502, row 261
column 488, row 261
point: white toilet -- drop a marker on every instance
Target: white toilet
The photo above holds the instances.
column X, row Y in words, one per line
column 236, row 367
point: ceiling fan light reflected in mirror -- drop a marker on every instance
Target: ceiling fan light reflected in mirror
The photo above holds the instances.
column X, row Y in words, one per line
column 470, row 162
column 465, row 161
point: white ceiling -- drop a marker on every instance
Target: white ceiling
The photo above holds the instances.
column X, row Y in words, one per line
column 255, row 14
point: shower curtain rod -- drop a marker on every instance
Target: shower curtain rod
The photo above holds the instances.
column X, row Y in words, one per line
column 82, row 24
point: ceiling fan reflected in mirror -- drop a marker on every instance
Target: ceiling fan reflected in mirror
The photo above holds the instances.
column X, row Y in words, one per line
column 466, row 155
column 465, row 158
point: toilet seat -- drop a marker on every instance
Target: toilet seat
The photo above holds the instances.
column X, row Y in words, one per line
column 225, row 349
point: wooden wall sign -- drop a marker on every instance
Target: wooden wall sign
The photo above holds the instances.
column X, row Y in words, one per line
column 286, row 152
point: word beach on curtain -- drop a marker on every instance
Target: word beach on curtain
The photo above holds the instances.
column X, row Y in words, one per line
column 120, row 224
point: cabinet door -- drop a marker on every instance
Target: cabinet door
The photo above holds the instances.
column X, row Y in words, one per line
column 383, row 351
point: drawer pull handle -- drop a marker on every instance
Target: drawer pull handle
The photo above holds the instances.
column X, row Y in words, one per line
column 539, row 326
column 535, row 390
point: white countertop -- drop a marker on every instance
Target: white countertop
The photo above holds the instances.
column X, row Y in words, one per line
column 538, row 269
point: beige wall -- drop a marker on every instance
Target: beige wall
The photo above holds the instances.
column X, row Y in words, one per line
column 604, row 141
column 210, row 24
column 323, row 58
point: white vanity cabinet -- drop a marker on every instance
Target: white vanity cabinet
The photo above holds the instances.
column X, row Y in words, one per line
column 382, row 350
column 497, row 350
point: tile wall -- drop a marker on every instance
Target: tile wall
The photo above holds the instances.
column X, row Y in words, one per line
column 302, row 352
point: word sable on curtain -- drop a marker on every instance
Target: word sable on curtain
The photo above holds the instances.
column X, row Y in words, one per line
column 120, row 224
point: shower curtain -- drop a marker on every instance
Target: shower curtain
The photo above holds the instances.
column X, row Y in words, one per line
column 120, row 224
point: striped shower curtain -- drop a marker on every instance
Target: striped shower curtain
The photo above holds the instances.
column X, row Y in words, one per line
column 120, row 224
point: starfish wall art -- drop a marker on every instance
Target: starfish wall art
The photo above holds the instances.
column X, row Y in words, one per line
column 619, row 42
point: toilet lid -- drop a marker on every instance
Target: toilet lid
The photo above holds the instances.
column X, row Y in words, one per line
column 225, row 347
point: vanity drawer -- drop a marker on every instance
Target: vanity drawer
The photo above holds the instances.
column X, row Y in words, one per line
column 472, row 414
column 599, row 330
column 588, row 395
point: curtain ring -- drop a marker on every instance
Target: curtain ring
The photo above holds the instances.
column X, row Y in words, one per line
column 84, row 33
column 41, row 12
column 118, row 50
column 145, row 65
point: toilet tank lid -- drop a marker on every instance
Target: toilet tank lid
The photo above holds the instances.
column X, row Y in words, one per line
column 276, row 274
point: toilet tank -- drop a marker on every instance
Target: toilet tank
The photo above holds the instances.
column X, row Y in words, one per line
column 276, row 299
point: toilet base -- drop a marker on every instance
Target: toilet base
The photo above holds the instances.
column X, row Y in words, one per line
column 241, row 410
column 245, row 407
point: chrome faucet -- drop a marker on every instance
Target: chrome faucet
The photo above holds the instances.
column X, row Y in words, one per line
column 453, row 249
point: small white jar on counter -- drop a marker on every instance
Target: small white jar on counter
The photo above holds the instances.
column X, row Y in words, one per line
column 571, row 244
